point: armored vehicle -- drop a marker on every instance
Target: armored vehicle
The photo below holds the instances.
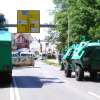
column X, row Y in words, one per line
column 5, row 53
column 86, row 57
column 66, row 60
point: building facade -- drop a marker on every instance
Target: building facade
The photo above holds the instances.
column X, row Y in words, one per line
column 21, row 40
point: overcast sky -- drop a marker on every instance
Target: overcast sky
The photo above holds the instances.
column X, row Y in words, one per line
column 10, row 7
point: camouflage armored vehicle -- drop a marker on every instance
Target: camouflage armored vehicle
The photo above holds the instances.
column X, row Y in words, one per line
column 66, row 59
column 5, row 53
column 85, row 58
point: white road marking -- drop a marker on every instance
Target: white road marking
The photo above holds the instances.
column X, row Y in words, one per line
column 94, row 94
column 16, row 90
column 14, row 93
column 11, row 93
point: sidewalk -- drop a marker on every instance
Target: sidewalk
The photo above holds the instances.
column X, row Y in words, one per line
column 53, row 62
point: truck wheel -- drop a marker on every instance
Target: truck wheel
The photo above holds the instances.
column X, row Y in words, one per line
column 6, row 78
column 67, row 72
column 93, row 75
column 79, row 73
column 10, row 78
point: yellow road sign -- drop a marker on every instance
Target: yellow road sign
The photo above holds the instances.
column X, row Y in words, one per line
column 28, row 21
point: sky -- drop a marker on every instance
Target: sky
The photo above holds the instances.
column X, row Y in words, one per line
column 9, row 9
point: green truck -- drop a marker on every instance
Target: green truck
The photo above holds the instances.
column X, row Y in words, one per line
column 85, row 58
column 5, row 53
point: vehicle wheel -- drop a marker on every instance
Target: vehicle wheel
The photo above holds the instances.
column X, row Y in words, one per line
column 79, row 73
column 8, row 82
column 67, row 71
column 6, row 79
column 93, row 75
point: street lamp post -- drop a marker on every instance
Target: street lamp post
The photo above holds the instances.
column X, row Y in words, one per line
column 68, row 32
column 68, row 38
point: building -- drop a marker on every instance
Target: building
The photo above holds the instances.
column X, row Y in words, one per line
column 35, row 45
column 21, row 40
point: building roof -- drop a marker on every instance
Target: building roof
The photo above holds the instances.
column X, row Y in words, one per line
column 27, row 36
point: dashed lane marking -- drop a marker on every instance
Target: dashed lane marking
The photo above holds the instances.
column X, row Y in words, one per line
column 11, row 93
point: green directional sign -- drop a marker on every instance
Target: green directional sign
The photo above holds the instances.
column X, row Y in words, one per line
column 28, row 21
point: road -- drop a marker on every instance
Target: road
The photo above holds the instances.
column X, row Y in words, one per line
column 45, row 82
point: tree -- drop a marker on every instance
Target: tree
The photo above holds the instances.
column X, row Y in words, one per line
column 78, row 19
column 83, row 16
column 52, row 36
column 61, row 22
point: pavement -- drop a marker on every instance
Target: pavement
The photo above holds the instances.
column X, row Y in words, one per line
column 46, row 82
column 53, row 60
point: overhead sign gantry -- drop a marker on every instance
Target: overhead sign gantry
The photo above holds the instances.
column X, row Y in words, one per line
column 28, row 21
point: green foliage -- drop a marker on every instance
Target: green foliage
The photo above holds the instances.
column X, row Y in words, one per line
column 78, row 18
column 95, row 32
column 61, row 21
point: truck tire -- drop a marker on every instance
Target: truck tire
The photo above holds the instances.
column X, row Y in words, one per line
column 67, row 71
column 93, row 75
column 9, row 78
column 79, row 73
column 6, row 78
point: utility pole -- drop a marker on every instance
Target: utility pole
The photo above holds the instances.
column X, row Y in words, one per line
column 68, row 32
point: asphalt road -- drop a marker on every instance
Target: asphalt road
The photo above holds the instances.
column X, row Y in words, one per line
column 45, row 82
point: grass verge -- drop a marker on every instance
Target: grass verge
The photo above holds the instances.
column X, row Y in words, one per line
column 49, row 62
